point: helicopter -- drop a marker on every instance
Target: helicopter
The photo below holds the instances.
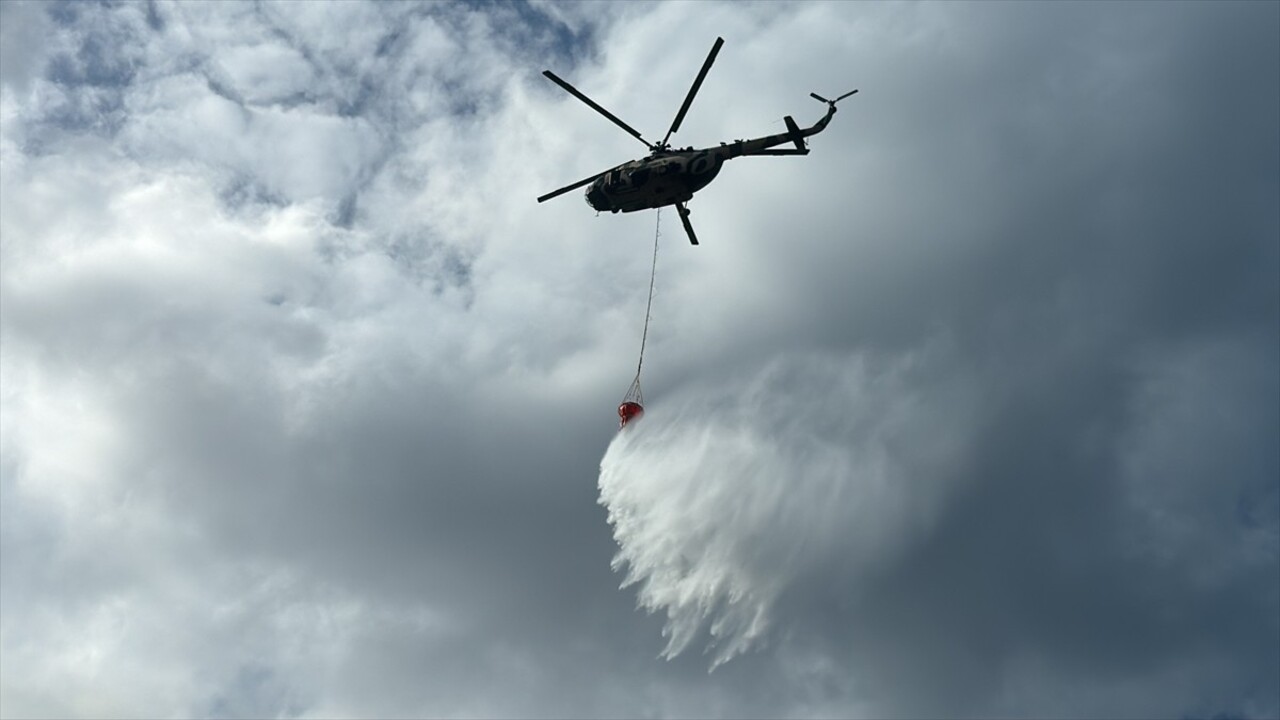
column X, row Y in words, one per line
column 670, row 176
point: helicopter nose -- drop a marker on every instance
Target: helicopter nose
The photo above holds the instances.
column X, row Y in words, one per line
column 596, row 198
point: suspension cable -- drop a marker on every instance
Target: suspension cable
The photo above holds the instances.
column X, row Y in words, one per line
column 634, row 393
column 633, row 402
column 653, row 272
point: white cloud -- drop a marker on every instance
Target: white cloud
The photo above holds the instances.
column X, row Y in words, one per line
column 303, row 394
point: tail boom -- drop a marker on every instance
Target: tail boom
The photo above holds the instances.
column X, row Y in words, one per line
column 795, row 134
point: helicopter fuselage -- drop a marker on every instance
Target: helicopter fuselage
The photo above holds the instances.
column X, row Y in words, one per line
column 664, row 178
column 671, row 177
column 668, row 177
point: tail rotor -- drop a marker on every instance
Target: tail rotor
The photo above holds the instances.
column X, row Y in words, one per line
column 831, row 103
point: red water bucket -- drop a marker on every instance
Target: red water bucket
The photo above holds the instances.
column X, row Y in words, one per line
column 629, row 411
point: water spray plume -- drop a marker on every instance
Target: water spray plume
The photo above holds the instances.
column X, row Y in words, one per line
column 736, row 493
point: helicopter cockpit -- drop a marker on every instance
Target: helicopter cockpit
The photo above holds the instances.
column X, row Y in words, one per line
column 596, row 199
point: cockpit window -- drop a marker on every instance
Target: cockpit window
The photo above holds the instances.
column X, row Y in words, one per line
column 596, row 198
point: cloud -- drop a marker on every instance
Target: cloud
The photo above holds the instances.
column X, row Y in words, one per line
column 971, row 411
column 843, row 513
column 1015, row 514
column 23, row 53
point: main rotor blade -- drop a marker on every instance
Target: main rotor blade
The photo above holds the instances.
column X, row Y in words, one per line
column 567, row 188
column 688, row 100
column 591, row 104
column 851, row 92
column 816, row 96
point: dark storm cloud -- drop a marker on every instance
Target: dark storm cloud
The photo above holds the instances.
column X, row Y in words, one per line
column 1088, row 307
column 974, row 410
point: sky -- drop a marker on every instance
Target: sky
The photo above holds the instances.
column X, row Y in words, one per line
column 307, row 408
